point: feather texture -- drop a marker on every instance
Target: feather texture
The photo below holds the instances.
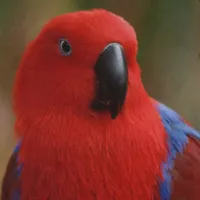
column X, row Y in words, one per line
column 71, row 152
column 181, row 170
column 183, row 147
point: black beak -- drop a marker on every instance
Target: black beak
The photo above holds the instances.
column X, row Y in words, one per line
column 111, row 80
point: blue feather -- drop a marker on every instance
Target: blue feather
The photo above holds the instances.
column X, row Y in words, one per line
column 17, row 147
column 178, row 132
column 16, row 192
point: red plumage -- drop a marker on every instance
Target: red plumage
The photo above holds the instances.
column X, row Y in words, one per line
column 186, row 173
column 69, row 151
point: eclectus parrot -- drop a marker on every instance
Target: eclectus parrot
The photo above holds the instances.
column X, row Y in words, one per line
column 86, row 127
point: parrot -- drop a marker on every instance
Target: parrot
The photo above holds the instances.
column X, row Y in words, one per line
column 85, row 126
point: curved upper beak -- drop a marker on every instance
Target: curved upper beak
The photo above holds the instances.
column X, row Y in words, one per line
column 111, row 80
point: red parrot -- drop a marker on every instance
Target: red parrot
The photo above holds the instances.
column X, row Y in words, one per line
column 86, row 127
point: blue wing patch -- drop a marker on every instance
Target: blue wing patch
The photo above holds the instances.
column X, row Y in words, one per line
column 16, row 151
column 16, row 192
column 178, row 132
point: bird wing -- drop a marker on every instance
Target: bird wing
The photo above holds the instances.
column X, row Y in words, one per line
column 10, row 182
column 181, row 170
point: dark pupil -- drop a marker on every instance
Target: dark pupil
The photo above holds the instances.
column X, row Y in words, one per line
column 66, row 47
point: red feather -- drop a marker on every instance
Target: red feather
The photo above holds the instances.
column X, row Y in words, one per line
column 186, row 173
column 69, row 152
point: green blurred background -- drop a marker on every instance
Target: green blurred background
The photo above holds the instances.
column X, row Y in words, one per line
column 169, row 49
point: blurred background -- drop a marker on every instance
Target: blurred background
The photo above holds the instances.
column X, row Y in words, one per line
column 169, row 50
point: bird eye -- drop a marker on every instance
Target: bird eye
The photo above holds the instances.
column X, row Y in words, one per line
column 65, row 47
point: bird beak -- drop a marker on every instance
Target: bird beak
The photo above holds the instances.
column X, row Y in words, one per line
column 111, row 80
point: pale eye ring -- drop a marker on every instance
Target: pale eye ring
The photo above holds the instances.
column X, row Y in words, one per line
column 65, row 47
